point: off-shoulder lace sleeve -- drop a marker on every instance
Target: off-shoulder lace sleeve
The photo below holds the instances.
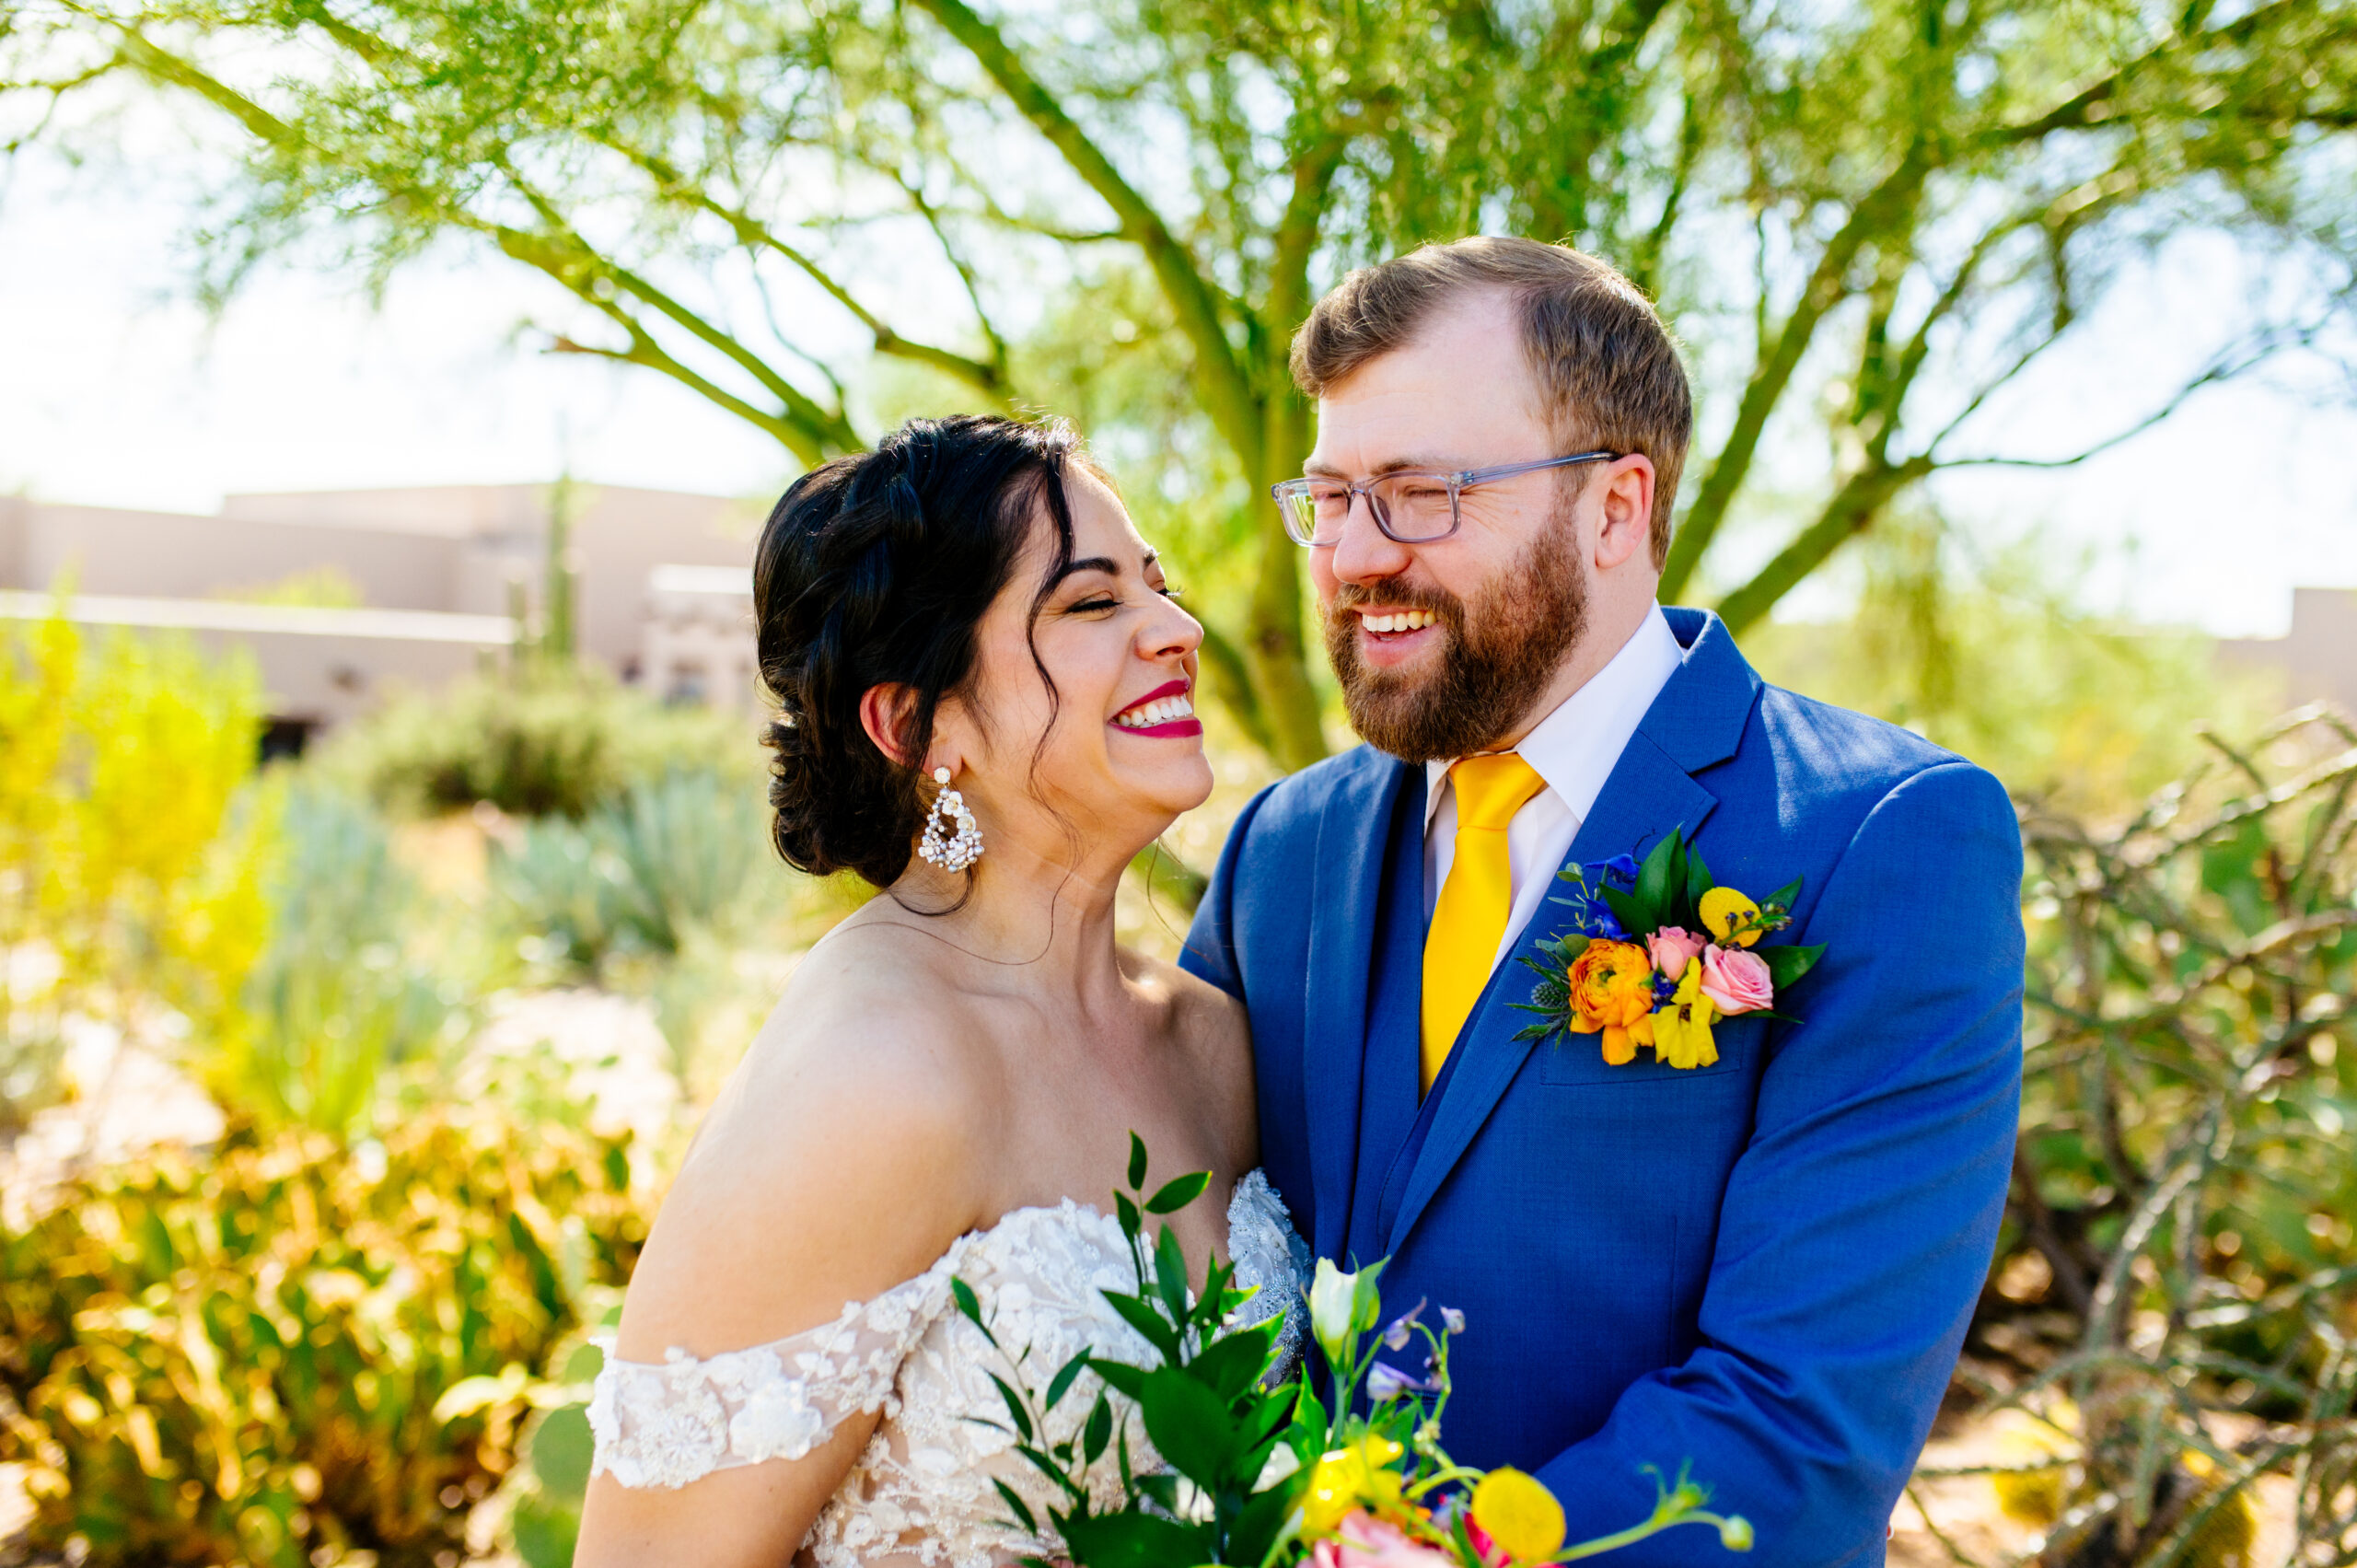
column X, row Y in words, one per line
column 1271, row 1255
column 670, row 1424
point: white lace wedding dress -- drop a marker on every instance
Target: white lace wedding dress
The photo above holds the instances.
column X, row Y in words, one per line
column 921, row 1491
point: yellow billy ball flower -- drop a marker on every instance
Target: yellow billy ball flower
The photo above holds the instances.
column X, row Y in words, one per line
column 1520, row 1515
column 1722, row 911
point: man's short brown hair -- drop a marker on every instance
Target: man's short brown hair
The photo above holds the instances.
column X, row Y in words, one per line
column 1607, row 369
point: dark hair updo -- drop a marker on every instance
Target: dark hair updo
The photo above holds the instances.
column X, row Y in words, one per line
column 879, row 568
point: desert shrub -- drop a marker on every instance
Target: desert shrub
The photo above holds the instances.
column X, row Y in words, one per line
column 533, row 742
column 342, row 990
column 127, row 884
column 240, row 1359
column 2174, row 1302
column 637, row 876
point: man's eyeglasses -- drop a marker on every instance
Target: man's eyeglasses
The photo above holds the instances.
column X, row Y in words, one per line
column 1411, row 505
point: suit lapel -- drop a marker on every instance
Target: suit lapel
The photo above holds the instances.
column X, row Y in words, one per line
column 1696, row 721
column 1341, row 908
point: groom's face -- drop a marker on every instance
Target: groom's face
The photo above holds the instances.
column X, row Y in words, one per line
column 1493, row 610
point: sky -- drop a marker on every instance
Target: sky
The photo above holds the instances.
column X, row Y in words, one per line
column 118, row 388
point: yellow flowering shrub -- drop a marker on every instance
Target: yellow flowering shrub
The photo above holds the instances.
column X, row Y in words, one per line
column 126, row 878
column 255, row 1358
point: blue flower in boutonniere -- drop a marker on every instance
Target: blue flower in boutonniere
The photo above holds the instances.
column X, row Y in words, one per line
column 1659, row 953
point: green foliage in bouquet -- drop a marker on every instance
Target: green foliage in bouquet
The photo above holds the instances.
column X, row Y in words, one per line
column 1205, row 1408
column 291, row 1353
column 1267, row 1476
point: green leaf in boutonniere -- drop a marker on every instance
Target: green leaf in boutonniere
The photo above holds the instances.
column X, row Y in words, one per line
column 1630, row 911
column 1660, row 881
column 1787, row 964
column 1698, row 882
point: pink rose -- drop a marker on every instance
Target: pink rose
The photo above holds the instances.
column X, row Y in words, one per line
column 1364, row 1542
column 1736, row 981
column 1671, row 949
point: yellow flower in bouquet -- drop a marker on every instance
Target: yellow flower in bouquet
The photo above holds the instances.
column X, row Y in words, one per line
column 1729, row 916
column 1519, row 1514
column 1682, row 1028
column 1613, row 992
column 1359, row 1476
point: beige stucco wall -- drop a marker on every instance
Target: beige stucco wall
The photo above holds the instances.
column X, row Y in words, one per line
column 619, row 535
column 318, row 666
column 2317, row 658
column 171, row 555
column 453, row 549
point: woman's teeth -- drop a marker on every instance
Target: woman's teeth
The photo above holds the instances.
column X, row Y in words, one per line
column 1401, row 621
column 1145, row 716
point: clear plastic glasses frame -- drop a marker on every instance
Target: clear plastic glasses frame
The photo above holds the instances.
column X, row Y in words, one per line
column 1405, row 504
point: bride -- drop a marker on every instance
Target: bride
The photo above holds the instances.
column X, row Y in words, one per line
column 987, row 695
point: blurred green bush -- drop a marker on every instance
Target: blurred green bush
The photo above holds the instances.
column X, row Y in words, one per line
column 343, row 989
column 536, row 741
column 638, row 875
column 239, row 1358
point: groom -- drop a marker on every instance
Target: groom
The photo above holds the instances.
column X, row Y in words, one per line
column 1762, row 1266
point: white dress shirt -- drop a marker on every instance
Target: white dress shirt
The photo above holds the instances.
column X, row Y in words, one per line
column 1575, row 749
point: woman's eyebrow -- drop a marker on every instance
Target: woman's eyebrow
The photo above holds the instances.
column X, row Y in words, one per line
column 1104, row 564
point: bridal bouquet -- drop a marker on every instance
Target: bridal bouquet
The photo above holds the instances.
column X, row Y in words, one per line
column 1658, row 953
column 1269, row 1476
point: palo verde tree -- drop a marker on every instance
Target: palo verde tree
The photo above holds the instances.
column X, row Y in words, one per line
column 1868, row 221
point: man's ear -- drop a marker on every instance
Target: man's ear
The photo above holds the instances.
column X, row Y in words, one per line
column 1625, row 511
column 886, row 711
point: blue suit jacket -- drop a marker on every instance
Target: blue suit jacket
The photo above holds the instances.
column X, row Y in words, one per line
column 1764, row 1267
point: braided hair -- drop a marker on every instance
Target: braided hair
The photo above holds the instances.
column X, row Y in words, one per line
column 877, row 569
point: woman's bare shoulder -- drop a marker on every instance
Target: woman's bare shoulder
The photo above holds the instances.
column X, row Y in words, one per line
column 1198, row 1008
column 1210, row 1028
column 849, row 1148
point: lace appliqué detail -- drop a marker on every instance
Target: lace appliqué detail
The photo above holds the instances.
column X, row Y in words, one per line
column 1272, row 1260
column 670, row 1425
column 921, row 1491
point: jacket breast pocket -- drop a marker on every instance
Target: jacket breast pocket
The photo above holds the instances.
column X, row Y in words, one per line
column 1577, row 1061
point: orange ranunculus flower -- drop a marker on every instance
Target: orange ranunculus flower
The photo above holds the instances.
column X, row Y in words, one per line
column 1612, row 994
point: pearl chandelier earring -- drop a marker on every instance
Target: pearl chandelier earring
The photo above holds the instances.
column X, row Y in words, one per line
column 951, row 841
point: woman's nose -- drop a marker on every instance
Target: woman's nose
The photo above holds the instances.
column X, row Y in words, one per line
column 1171, row 632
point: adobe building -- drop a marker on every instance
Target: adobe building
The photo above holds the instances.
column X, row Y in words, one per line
column 2317, row 658
column 662, row 594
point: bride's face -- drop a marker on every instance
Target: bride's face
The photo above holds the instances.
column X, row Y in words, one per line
column 1115, row 752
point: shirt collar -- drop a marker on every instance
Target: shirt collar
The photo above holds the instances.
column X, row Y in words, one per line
column 1575, row 747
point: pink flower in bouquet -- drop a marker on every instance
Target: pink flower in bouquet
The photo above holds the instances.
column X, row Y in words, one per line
column 1489, row 1552
column 1672, row 949
column 1362, row 1540
column 1736, row 981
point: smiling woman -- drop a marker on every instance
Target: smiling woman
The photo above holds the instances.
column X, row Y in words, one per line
column 962, row 625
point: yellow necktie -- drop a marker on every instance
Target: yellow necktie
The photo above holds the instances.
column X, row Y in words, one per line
column 1469, row 918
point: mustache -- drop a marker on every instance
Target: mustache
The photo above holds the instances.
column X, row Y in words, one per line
column 1349, row 596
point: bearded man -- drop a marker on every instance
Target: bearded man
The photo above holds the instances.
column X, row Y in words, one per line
column 1754, row 1249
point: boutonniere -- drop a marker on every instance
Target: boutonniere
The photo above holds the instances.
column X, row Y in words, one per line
column 1658, row 953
